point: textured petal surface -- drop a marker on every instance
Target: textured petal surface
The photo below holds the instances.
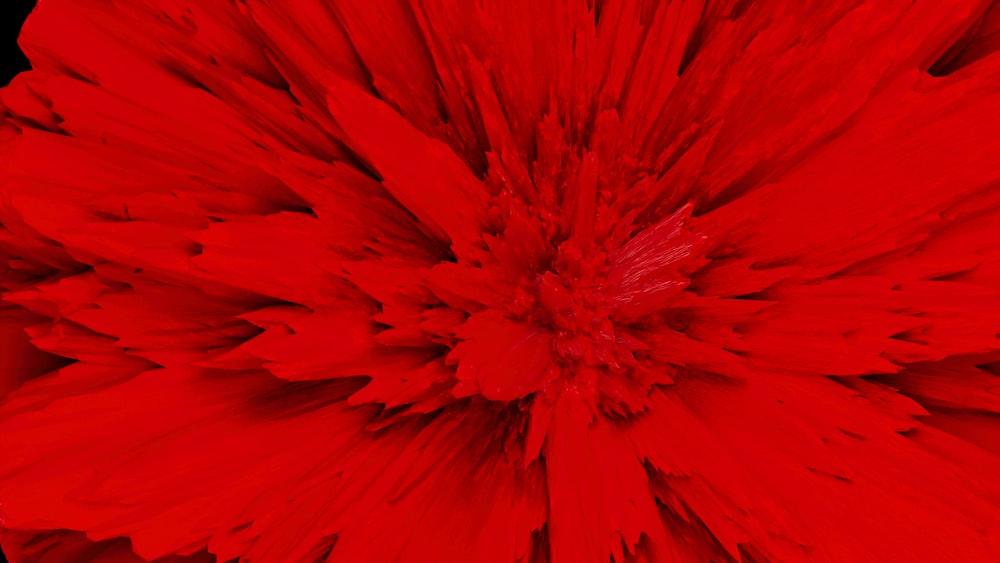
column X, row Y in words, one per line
column 513, row 281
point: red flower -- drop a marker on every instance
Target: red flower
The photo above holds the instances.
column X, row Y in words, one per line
column 377, row 280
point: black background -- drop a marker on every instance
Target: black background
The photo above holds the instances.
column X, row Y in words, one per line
column 12, row 61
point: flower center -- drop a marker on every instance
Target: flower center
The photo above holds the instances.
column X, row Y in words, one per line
column 577, row 319
column 571, row 301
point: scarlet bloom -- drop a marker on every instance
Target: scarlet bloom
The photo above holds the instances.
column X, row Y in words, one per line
column 562, row 280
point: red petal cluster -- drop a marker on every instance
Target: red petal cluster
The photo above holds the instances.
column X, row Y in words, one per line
column 567, row 281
